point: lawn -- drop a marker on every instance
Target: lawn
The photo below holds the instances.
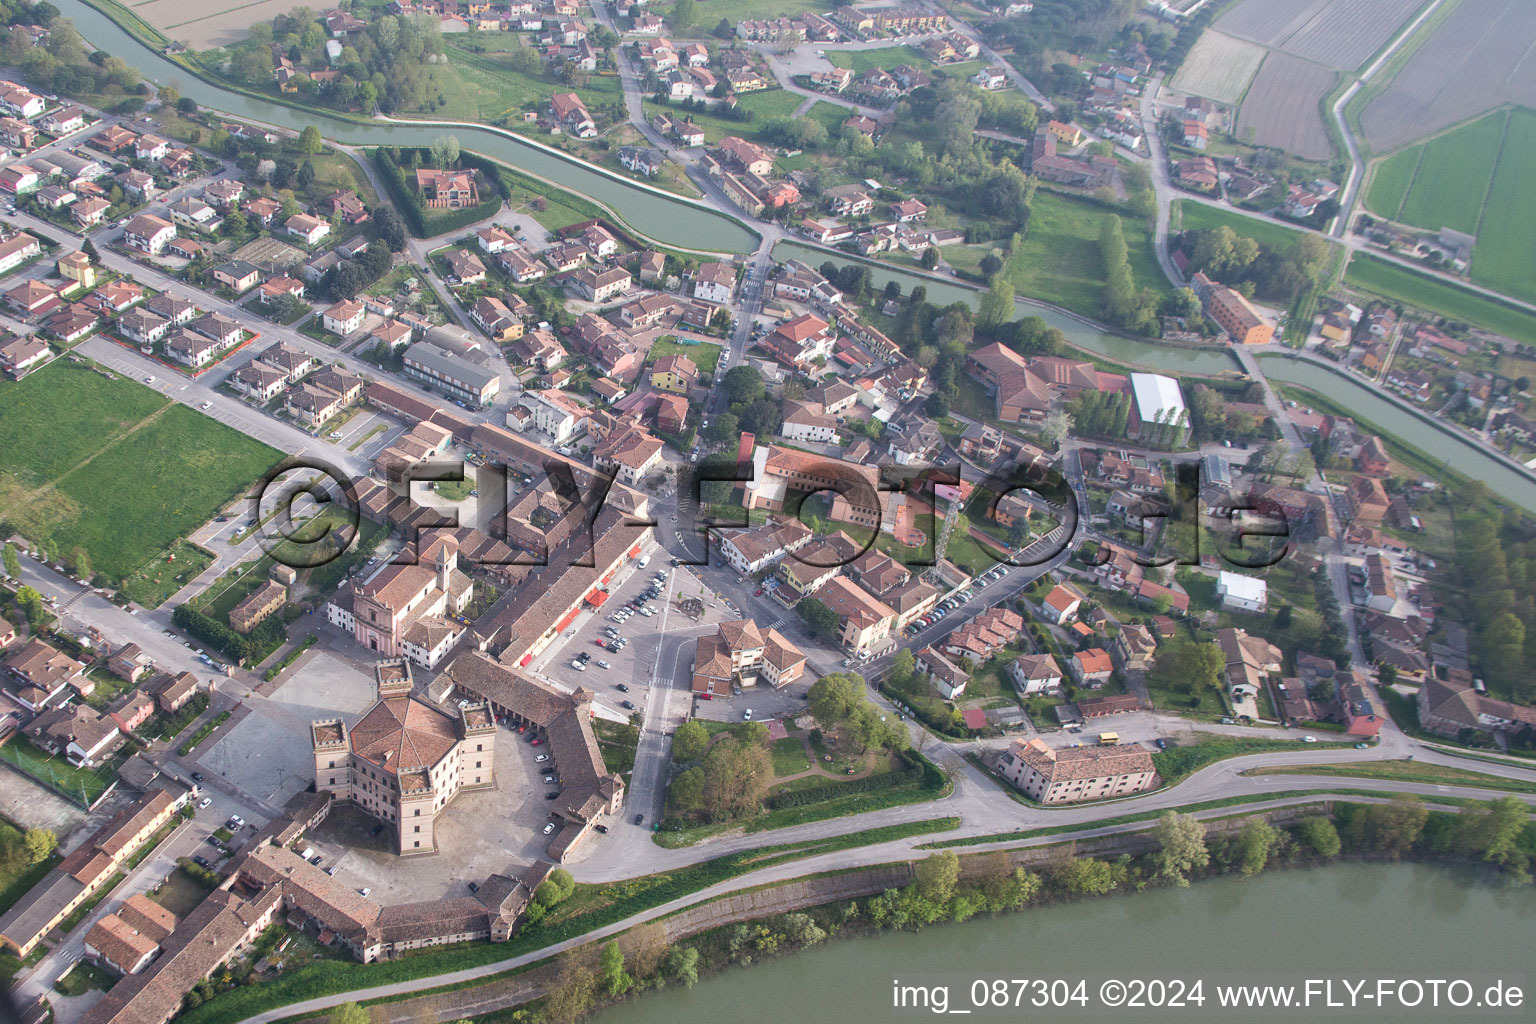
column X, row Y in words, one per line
column 550, row 213
column 85, row 977
column 1505, row 255
column 1059, row 260
column 59, row 416
column 482, row 87
column 1422, row 291
column 886, row 57
column 180, row 893
column 165, row 573
column 789, row 756
column 617, row 743
column 1176, row 763
column 1450, row 180
column 1198, row 216
column 705, row 356
column 1406, row 771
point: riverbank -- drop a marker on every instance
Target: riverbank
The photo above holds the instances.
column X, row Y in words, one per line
column 1066, row 867
column 950, row 889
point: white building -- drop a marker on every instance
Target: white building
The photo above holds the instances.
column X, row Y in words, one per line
column 1242, row 593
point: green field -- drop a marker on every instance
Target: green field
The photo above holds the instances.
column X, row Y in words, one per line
column 113, row 467
column 83, row 785
column 704, row 355
column 1195, row 216
column 709, row 13
column 1059, row 260
column 767, row 106
column 1391, row 281
column 1505, row 257
column 481, row 87
column 1452, row 176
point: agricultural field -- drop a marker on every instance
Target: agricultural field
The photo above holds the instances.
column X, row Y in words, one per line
column 1483, row 54
column 1505, row 255
column 1450, row 176
column 111, row 466
column 1400, row 284
column 208, row 25
column 1219, row 67
column 1473, row 179
column 1341, row 34
column 1282, row 108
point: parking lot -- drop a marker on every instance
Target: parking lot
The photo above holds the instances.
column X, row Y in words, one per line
column 644, row 650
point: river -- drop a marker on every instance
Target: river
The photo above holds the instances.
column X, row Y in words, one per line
column 1345, row 920
column 669, row 221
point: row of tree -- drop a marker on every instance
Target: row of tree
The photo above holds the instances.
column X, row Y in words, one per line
column 1496, row 566
column 1123, row 304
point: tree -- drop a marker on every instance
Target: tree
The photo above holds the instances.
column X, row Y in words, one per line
column 31, row 604
column 1187, row 666
column 685, row 795
column 610, row 971
column 937, row 405
column 1389, row 829
column 937, row 876
column 689, row 741
column 1254, row 842
column 40, row 844
column 683, row 965
column 573, row 992
column 1491, row 831
column 186, row 106
column 930, row 258
column 724, row 427
column 743, row 385
column 1320, row 834
column 12, row 561
column 683, row 14
column 80, row 561
column 819, row 619
column 310, row 141
column 350, row 1013
column 834, row 696
column 996, row 304
column 736, row 777
column 1180, row 847
column 391, row 228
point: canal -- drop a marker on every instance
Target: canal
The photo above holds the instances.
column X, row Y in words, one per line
column 670, row 221
column 1356, row 921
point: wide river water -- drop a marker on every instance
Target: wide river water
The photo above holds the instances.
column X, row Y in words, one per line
column 1346, row 920
column 691, row 226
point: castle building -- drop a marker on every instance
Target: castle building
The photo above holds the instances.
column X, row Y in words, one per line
column 405, row 760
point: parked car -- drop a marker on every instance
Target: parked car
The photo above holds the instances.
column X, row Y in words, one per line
column 202, row 804
column 541, row 757
column 627, row 705
column 639, row 819
column 623, row 687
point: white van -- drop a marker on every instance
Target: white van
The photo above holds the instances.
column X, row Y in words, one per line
column 645, row 560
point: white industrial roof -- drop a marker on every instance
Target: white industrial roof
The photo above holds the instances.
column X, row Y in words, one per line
column 1241, row 588
column 1158, row 399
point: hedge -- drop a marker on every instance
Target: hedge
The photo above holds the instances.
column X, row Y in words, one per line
column 211, row 632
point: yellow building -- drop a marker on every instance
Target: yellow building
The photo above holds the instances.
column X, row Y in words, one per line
column 77, row 266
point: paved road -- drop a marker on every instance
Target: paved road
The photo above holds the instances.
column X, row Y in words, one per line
column 1351, row 190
